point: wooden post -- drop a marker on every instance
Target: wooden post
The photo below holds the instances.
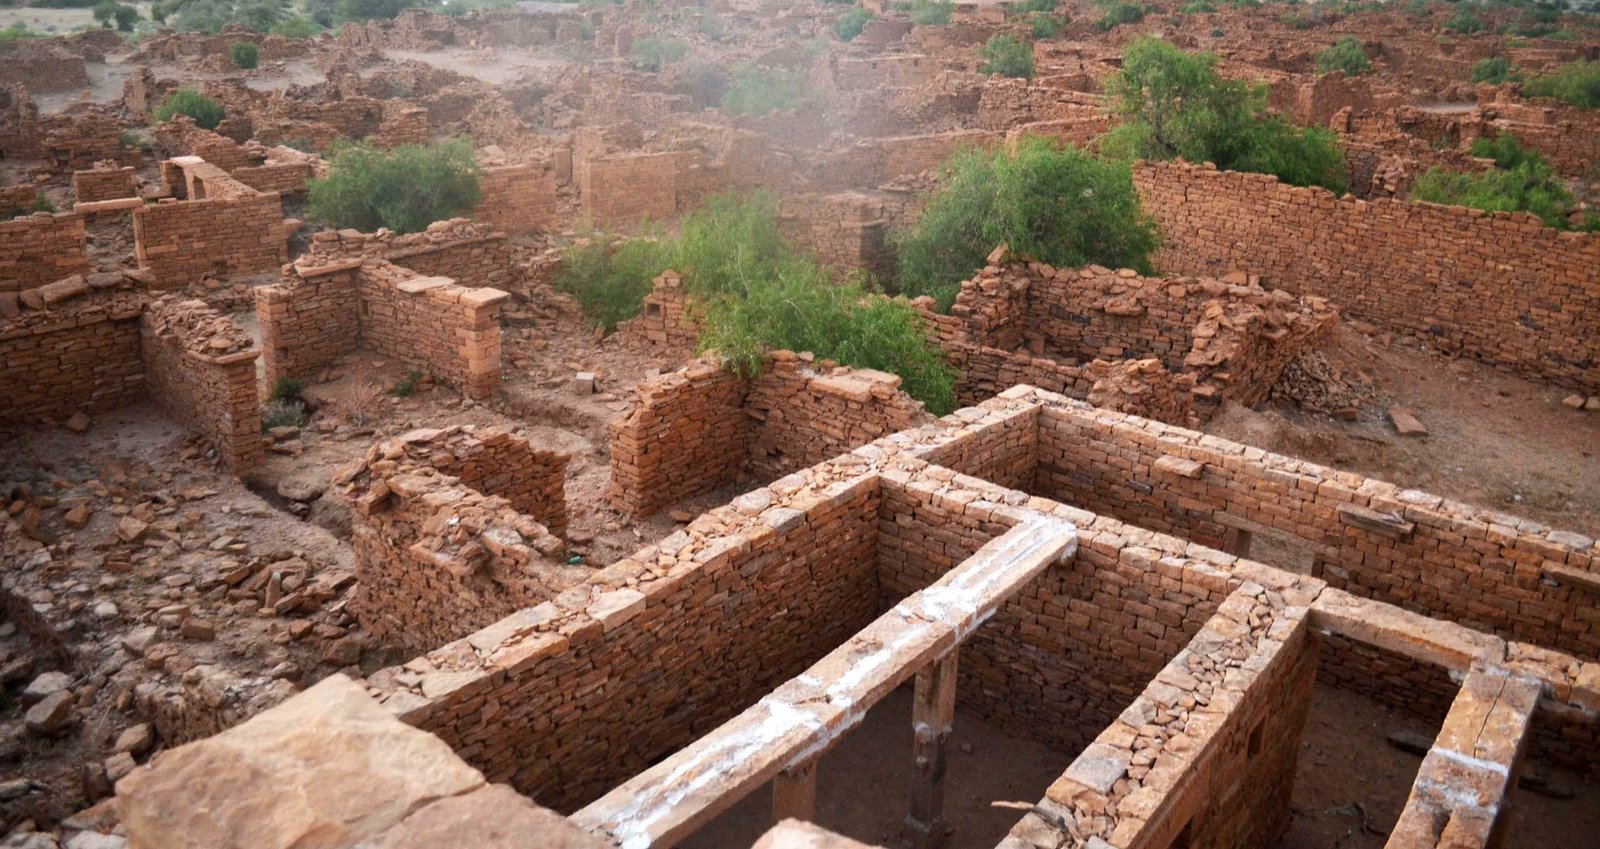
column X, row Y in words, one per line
column 933, row 712
column 794, row 793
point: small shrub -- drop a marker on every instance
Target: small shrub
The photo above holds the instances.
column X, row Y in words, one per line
column 609, row 280
column 931, row 12
column 404, row 189
column 295, row 27
column 1117, row 14
column 652, row 53
column 103, row 12
column 1521, row 181
column 245, row 54
column 205, row 112
column 761, row 91
column 126, row 17
column 407, row 386
column 1008, row 56
column 1045, row 26
column 849, row 25
column 1057, row 205
column 1577, row 83
column 345, row 11
column 287, row 389
column 1040, row 6
column 1199, row 7
column 1464, row 21
column 1347, row 56
column 283, row 413
column 15, row 33
column 1493, row 70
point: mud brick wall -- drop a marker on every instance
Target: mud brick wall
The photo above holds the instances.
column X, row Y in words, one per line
column 447, row 330
column 308, row 320
column 688, row 436
column 40, row 249
column 201, row 367
column 518, row 198
column 80, row 356
column 183, row 241
column 626, row 188
column 100, row 184
column 436, row 559
column 1486, row 570
column 568, row 699
column 1515, row 292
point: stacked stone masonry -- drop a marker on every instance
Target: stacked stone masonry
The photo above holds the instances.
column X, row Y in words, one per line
column 1516, row 292
column 40, row 249
column 224, row 228
column 201, row 366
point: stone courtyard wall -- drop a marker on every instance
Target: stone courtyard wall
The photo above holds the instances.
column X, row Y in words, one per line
column 232, row 230
column 201, row 367
column 81, row 355
column 41, row 248
column 1513, row 292
column 103, row 183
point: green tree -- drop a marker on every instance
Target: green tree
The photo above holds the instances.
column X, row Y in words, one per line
column 1055, row 204
column 931, row 12
column 1494, row 70
column 1464, row 20
column 245, row 54
column 126, row 16
column 104, row 11
column 404, row 189
column 1174, row 105
column 1007, row 55
column 849, row 25
column 1577, row 83
column 1347, row 56
column 205, row 112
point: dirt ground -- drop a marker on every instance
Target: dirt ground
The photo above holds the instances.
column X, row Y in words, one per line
column 1348, row 769
column 1494, row 439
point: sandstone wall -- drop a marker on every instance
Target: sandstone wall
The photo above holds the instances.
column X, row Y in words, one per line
column 40, row 249
column 201, row 367
column 467, row 252
column 625, row 188
column 308, row 320
column 99, row 184
column 1513, row 291
column 181, row 241
column 847, row 231
column 81, row 355
column 43, row 69
column 518, row 198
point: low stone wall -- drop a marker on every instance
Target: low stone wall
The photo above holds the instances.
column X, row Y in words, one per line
column 104, row 183
column 319, row 312
column 518, row 198
column 1514, row 293
column 226, row 228
column 437, row 558
column 40, row 249
column 201, row 367
column 472, row 254
column 847, row 231
column 43, row 69
column 624, row 188
column 80, row 354
column 702, row 427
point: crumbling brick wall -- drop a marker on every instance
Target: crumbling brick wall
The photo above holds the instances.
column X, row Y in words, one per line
column 43, row 68
column 1515, row 293
column 40, row 249
column 201, row 366
column 518, row 198
column 703, row 427
column 1567, row 136
column 318, row 312
column 469, row 253
column 79, row 354
column 438, row 558
column 668, row 316
column 106, row 181
column 224, row 228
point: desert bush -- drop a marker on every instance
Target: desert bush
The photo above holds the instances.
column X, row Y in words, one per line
column 245, row 54
column 407, row 386
column 205, row 112
column 759, row 91
column 1577, row 83
column 1521, row 181
column 287, row 389
column 1041, row 6
column 212, row 15
column 1493, row 70
column 404, row 189
column 849, row 25
column 1174, row 105
column 653, row 53
column 1055, row 204
column 1199, row 7
column 1117, row 14
column 346, row 11
column 1464, row 21
column 609, row 279
column 1044, row 25
column 931, row 12
column 295, row 26
column 1347, row 56
column 276, row 413
column 1007, row 55
column 15, row 33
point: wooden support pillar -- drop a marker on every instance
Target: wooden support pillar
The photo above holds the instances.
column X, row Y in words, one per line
column 794, row 793
column 933, row 711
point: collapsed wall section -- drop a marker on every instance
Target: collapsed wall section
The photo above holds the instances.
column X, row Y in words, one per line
column 1514, row 291
column 201, row 367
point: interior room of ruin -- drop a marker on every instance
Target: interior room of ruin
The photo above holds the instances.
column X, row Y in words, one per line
column 594, row 425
